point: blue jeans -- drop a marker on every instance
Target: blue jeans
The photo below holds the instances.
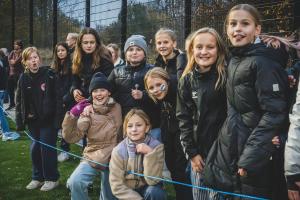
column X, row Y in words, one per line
column 82, row 177
column 3, row 120
column 154, row 192
column 44, row 159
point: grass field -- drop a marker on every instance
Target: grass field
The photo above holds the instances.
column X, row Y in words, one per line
column 15, row 174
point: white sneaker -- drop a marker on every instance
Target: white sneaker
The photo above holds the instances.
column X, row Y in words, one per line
column 62, row 157
column 34, row 184
column 49, row 185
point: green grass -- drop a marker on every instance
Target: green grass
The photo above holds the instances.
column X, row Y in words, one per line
column 15, row 173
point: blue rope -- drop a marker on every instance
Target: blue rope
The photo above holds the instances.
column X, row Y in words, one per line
column 142, row 175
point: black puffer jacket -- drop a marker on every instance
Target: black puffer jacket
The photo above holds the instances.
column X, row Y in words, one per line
column 124, row 79
column 175, row 66
column 201, row 111
column 257, row 108
column 64, row 99
column 82, row 81
column 36, row 98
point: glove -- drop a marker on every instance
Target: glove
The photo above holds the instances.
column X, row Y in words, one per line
column 78, row 108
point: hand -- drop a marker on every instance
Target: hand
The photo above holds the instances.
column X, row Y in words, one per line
column 276, row 141
column 270, row 41
column 293, row 195
column 87, row 111
column 78, row 108
column 136, row 94
column 242, row 172
column 197, row 163
column 292, row 81
column 78, row 95
column 143, row 148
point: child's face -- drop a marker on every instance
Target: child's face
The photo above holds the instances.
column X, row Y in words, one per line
column 136, row 128
column 241, row 28
column 113, row 53
column 33, row 62
column 164, row 45
column 135, row 55
column 88, row 43
column 205, row 50
column 61, row 52
column 100, row 96
column 157, row 87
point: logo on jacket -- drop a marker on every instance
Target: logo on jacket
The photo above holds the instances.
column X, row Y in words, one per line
column 43, row 86
column 194, row 95
column 275, row 87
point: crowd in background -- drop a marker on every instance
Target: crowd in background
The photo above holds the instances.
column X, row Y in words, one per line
column 217, row 116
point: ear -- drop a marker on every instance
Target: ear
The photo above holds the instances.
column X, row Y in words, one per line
column 147, row 129
column 257, row 30
column 174, row 44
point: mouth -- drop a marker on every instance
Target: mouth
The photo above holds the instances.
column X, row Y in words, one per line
column 239, row 36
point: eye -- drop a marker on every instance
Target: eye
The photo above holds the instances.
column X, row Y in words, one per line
column 232, row 23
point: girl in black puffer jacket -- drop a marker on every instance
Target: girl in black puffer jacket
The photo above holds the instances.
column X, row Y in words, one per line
column 240, row 159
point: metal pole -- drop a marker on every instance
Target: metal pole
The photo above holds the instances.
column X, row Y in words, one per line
column 54, row 22
column 13, row 7
column 187, row 17
column 31, row 22
column 87, row 13
column 123, row 24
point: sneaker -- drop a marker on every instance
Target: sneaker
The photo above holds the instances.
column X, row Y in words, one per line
column 63, row 156
column 34, row 184
column 49, row 185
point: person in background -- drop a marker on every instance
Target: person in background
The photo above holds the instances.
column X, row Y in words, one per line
column 101, row 129
column 35, row 107
column 15, row 69
column 140, row 153
column 71, row 41
column 116, row 53
column 61, row 64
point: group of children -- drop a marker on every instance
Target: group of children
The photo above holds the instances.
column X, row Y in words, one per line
column 201, row 111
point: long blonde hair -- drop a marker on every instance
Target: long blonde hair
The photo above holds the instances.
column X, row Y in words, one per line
column 100, row 51
column 221, row 51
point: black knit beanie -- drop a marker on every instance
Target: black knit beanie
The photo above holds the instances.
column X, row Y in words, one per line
column 99, row 80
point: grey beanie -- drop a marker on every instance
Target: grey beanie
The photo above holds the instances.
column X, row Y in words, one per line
column 136, row 40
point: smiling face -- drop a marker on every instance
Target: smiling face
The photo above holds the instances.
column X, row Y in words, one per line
column 100, row 96
column 241, row 28
column 165, row 45
column 61, row 52
column 205, row 50
column 88, row 43
column 135, row 55
column 136, row 128
column 33, row 62
column 157, row 87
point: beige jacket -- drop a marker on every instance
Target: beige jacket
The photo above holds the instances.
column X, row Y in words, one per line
column 122, row 183
column 101, row 129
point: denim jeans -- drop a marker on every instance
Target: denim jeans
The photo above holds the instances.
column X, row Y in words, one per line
column 3, row 120
column 44, row 159
column 154, row 192
column 82, row 177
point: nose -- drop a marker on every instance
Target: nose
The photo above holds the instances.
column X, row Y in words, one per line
column 237, row 27
column 203, row 50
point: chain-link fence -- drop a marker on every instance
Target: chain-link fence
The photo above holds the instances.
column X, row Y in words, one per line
column 117, row 19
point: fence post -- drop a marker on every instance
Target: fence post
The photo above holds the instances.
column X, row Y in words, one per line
column 54, row 22
column 123, row 24
column 187, row 17
column 13, row 8
column 87, row 13
column 297, row 17
column 30, row 22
